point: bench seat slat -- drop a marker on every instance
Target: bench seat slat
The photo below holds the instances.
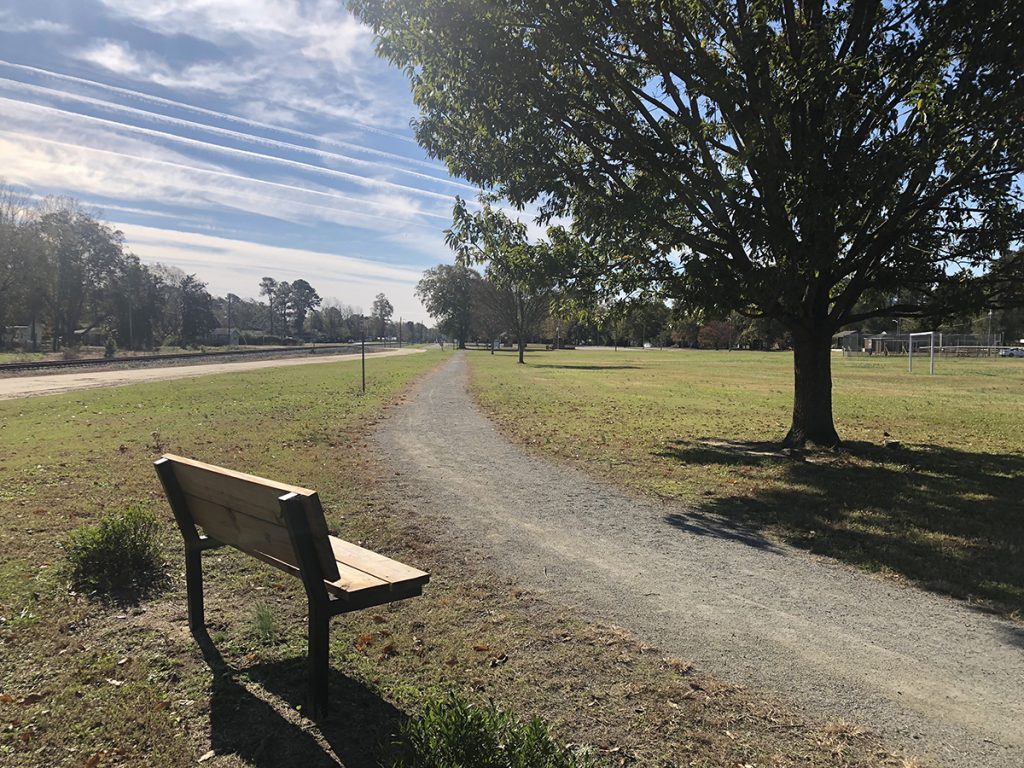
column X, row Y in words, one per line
column 358, row 569
column 378, row 565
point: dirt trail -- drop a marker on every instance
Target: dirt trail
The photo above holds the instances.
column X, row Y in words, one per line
column 928, row 673
column 55, row 383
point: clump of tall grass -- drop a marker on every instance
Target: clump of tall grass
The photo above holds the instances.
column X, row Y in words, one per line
column 119, row 556
column 453, row 733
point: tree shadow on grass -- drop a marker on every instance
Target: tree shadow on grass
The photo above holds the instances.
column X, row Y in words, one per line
column 721, row 528
column 949, row 520
column 248, row 725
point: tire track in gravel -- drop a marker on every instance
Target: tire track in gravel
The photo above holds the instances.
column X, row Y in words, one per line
column 930, row 674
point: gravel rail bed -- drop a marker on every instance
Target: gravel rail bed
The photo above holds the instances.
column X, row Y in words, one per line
column 930, row 674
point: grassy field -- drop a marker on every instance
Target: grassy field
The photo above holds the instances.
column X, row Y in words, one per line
column 80, row 681
column 943, row 509
column 87, row 683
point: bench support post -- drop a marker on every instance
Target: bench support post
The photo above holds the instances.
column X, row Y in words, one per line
column 316, row 593
column 194, row 546
column 194, row 589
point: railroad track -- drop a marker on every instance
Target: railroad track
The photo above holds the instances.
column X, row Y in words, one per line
column 194, row 357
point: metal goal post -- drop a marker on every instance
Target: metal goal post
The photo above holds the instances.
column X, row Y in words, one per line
column 931, row 355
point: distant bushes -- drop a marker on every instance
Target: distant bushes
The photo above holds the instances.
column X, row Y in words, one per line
column 118, row 557
column 452, row 733
column 258, row 338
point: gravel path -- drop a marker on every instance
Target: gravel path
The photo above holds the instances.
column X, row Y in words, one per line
column 928, row 673
column 55, row 383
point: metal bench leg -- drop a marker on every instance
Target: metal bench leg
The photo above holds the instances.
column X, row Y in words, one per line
column 319, row 643
column 194, row 588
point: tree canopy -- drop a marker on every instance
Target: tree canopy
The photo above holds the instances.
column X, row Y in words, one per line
column 448, row 291
column 381, row 313
column 813, row 163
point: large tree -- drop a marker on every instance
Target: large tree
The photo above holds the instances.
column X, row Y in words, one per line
column 302, row 299
column 814, row 163
column 79, row 256
column 268, row 288
column 381, row 313
column 197, row 318
column 448, row 291
column 520, row 271
column 17, row 246
column 135, row 304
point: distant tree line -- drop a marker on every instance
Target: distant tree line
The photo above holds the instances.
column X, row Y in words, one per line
column 523, row 295
column 68, row 279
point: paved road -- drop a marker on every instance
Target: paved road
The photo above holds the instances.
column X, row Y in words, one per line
column 54, row 383
column 929, row 673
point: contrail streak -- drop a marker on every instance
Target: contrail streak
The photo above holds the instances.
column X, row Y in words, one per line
column 355, row 178
column 239, row 135
column 225, row 175
column 213, row 113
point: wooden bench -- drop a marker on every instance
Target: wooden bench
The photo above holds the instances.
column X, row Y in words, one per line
column 284, row 526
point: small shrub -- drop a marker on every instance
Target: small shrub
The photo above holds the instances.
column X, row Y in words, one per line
column 117, row 557
column 452, row 733
column 110, row 347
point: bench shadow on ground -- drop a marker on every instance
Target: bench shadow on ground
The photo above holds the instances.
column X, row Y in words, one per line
column 244, row 724
column 950, row 520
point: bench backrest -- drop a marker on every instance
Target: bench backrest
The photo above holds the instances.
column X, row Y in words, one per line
column 245, row 511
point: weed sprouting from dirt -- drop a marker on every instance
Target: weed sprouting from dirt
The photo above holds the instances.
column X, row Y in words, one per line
column 264, row 628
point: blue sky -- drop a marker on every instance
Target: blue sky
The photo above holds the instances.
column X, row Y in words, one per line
column 230, row 138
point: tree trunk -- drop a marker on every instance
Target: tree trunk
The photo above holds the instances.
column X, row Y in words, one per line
column 812, row 392
column 520, row 328
column 462, row 343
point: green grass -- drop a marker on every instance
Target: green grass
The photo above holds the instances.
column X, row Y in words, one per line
column 81, row 680
column 944, row 510
column 91, row 683
column 119, row 557
column 264, row 628
column 453, row 733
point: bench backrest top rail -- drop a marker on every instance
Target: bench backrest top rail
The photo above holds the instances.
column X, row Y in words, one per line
column 244, row 511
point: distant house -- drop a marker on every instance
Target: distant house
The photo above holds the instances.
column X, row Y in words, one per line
column 220, row 337
column 22, row 335
column 850, row 341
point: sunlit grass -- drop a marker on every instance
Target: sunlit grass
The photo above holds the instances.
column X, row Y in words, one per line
column 944, row 508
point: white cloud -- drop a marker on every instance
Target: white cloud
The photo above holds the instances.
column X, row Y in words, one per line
column 303, row 56
column 214, row 76
column 321, row 30
column 237, row 266
column 11, row 23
